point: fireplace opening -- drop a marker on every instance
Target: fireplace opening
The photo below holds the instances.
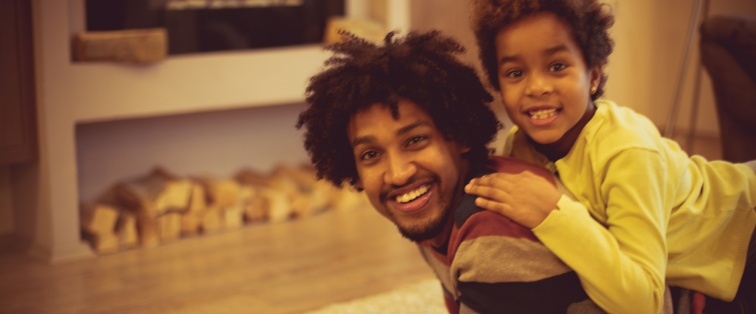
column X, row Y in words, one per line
column 147, row 181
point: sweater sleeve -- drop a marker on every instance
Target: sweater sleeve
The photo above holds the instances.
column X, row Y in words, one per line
column 621, row 263
column 500, row 266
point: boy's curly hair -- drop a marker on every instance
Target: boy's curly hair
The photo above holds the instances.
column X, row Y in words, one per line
column 589, row 22
column 422, row 68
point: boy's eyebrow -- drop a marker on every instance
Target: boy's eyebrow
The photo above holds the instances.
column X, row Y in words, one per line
column 556, row 49
column 403, row 130
column 548, row 52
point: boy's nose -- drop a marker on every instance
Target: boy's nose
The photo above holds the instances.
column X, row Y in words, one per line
column 538, row 86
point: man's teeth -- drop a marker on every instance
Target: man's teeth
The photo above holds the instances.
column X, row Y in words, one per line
column 542, row 114
column 410, row 196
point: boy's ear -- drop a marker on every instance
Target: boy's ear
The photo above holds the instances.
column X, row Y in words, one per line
column 358, row 186
column 595, row 74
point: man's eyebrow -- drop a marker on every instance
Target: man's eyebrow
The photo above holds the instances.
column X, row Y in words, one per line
column 362, row 140
column 403, row 130
column 407, row 128
column 506, row 59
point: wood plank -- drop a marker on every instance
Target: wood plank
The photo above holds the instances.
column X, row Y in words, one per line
column 287, row 267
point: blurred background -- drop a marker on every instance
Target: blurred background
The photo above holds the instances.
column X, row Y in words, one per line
column 224, row 92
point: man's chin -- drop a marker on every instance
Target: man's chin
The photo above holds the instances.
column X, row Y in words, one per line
column 417, row 234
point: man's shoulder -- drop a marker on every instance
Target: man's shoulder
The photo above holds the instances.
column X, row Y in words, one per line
column 472, row 222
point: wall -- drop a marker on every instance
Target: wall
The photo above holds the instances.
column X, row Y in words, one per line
column 644, row 68
column 217, row 144
column 6, row 202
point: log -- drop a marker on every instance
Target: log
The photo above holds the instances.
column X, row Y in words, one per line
column 361, row 27
column 126, row 230
column 138, row 46
column 156, row 193
column 272, row 200
column 192, row 218
column 225, row 196
column 103, row 243
column 169, row 226
column 99, row 218
column 99, row 224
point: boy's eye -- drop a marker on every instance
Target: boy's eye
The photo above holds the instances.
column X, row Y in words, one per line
column 557, row 67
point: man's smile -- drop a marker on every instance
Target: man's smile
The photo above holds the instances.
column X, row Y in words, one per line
column 412, row 195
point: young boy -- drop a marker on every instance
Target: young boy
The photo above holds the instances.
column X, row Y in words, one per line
column 647, row 215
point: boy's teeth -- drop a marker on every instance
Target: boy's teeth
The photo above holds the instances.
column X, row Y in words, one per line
column 542, row 114
column 410, row 196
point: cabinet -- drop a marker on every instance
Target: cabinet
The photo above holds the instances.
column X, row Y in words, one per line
column 17, row 102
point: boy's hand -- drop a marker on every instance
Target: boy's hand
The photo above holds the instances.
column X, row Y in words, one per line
column 523, row 197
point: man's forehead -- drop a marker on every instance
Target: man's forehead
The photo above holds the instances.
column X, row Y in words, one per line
column 378, row 119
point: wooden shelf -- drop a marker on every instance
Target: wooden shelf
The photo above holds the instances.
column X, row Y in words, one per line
column 193, row 83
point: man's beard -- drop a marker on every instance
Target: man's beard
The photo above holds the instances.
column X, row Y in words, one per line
column 427, row 231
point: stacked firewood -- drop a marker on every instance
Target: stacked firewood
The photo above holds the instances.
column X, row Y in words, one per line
column 161, row 207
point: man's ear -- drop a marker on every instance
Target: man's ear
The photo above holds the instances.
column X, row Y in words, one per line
column 464, row 148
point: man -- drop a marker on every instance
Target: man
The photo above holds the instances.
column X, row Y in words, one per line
column 408, row 124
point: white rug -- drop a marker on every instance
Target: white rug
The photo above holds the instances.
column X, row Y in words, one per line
column 419, row 298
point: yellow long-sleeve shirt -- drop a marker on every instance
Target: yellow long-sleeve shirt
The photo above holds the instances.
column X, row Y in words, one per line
column 645, row 212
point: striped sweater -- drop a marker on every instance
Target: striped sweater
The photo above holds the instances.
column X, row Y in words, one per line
column 493, row 265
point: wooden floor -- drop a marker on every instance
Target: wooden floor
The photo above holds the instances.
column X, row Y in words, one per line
column 288, row 267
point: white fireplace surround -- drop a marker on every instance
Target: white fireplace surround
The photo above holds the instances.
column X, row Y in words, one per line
column 70, row 94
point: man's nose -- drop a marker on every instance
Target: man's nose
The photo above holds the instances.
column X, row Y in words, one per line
column 400, row 169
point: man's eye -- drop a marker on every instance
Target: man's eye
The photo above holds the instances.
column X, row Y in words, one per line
column 557, row 67
column 368, row 155
column 415, row 139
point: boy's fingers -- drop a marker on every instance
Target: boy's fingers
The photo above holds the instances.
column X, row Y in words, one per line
column 491, row 205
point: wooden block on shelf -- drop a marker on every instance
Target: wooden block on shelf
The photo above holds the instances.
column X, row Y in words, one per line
column 126, row 229
column 280, row 209
column 257, row 209
column 99, row 218
column 190, row 224
column 103, row 243
column 156, row 193
column 138, row 46
column 250, row 177
column 147, row 229
column 169, row 226
column 349, row 199
column 212, row 220
column 233, row 217
column 367, row 29
column 220, row 192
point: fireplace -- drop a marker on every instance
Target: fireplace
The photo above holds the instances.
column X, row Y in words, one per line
column 77, row 97
column 148, row 181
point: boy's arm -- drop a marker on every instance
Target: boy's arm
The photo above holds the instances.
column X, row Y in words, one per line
column 621, row 262
column 625, row 258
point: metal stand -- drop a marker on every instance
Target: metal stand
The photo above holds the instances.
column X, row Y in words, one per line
column 700, row 10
